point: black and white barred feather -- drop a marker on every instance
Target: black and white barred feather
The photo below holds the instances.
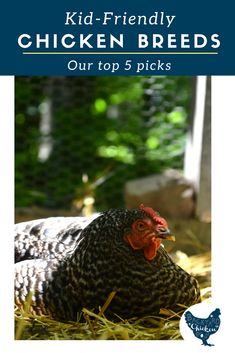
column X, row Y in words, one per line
column 71, row 263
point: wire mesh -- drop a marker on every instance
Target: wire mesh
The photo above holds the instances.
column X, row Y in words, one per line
column 79, row 139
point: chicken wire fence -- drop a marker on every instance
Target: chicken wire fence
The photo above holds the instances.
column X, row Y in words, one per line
column 78, row 140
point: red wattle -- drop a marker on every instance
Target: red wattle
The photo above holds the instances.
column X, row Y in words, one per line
column 150, row 251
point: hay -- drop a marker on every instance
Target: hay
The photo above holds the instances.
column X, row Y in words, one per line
column 97, row 326
column 34, row 327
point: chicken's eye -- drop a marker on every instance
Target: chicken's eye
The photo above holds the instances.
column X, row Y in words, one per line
column 140, row 226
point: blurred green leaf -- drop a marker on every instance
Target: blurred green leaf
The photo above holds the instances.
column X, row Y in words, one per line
column 177, row 116
column 100, row 105
column 126, row 126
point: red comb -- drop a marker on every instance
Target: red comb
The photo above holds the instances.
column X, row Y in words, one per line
column 153, row 214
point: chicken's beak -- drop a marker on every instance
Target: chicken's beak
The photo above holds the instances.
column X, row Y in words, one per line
column 165, row 234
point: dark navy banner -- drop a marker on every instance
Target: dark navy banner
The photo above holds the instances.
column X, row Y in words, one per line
column 87, row 37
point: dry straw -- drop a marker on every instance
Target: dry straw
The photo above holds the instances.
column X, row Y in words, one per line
column 165, row 326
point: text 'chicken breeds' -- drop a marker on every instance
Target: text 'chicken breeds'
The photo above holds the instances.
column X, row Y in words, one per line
column 66, row 264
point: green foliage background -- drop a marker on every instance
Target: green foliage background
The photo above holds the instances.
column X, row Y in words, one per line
column 103, row 132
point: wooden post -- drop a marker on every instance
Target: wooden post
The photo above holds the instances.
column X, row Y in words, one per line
column 197, row 166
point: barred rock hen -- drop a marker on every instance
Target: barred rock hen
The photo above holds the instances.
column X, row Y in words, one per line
column 71, row 263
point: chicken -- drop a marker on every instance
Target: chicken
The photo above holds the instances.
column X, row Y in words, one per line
column 71, row 263
column 203, row 328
